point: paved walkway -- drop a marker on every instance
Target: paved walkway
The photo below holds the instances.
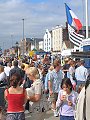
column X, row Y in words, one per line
column 49, row 116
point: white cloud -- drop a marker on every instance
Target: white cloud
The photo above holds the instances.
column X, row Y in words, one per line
column 38, row 17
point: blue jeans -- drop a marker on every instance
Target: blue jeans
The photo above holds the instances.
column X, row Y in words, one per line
column 15, row 116
column 66, row 117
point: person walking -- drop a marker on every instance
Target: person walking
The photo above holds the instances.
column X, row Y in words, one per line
column 16, row 97
column 15, row 69
column 81, row 74
column 66, row 100
column 7, row 69
column 3, row 83
column 71, row 74
column 54, row 83
column 35, row 94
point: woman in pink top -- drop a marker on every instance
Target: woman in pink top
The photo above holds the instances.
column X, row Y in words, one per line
column 16, row 98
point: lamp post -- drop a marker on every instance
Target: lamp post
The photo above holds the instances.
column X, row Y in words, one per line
column 17, row 48
column 23, row 38
column 12, row 39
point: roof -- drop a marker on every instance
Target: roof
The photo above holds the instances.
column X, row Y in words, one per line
column 68, row 43
column 34, row 49
column 28, row 39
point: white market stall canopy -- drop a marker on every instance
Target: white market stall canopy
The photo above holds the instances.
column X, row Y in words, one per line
column 66, row 52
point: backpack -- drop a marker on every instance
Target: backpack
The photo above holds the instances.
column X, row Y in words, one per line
column 81, row 105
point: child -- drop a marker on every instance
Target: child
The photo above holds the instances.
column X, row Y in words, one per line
column 66, row 100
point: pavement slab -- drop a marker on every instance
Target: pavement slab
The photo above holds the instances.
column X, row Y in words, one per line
column 49, row 116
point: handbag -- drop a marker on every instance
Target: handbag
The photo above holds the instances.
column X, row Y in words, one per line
column 27, row 83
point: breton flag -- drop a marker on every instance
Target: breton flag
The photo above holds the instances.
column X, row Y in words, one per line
column 74, row 25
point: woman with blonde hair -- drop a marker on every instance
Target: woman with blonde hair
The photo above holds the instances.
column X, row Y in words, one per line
column 34, row 94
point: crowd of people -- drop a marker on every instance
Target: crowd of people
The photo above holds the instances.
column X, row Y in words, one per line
column 36, row 85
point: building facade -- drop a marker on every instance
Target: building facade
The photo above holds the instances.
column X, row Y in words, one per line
column 54, row 39
column 25, row 46
column 36, row 42
column 59, row 34
column 47, row 41
column 41, row 46
column 28, row 44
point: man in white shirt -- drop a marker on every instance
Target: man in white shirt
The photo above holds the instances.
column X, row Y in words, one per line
column 81, row 74
column 7, row 69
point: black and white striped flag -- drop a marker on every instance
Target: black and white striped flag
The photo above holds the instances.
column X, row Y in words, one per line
column 73, row 24
column 74, row 37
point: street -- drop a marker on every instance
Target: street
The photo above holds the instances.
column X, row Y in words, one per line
column 49, row 116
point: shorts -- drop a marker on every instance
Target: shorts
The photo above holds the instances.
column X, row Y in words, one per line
column 53, row 97
column 15, row 116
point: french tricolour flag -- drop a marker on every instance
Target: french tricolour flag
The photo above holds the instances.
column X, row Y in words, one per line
column 72, row 18
column 73, row 24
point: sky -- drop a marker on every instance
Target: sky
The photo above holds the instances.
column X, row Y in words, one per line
column 38, row 16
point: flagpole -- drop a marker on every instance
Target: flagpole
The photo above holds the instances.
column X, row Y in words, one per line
column 86, row 19
column 23, row 38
